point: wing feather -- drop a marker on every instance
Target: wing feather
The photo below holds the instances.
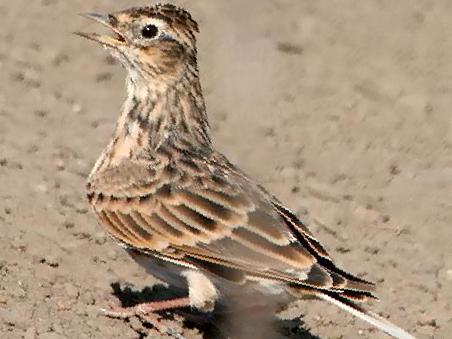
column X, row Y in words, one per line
column 216, row 219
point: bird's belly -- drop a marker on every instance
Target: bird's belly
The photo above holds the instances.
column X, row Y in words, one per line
column 253, row 293
column 165, row 271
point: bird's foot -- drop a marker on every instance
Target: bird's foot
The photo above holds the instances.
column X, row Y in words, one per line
column 117, row 311
column 146, row 312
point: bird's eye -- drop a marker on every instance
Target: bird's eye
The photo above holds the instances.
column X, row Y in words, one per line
column 149, row 31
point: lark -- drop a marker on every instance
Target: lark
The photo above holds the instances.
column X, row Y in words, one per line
column 179, row 207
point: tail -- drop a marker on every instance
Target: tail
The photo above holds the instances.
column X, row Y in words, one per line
column 370, row 317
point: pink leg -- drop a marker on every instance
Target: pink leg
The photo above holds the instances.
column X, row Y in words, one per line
column 145, row 311
column 117, row 311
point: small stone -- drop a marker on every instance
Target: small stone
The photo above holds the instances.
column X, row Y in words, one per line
column 449, row 274
column 40, row 113
column 342, row 249
column 57, row 328
column 289, row 173
column 394, row 169
column 299, row 163
column 82, row 235
column 427, row 320
column 112, row 255
column 68, row 224
column 76, row 108
column 295, row 189
column 61, row 306
column 65, row 201
column 7, row 317
column 104, row 76
column 60, row 165
column 59, row 59
column 81, row 210
column 289, row 48
column 88, row 299
column 33, row 149
column 100, row 238
column 371, row 250
column 3, row 300
column 16, row 165
column 30, row 333
column 71, row 291
column 50, row 261
column 42, row 188
column 18, row 291
column 15, row 317
column 385, row 218
column 109, row 60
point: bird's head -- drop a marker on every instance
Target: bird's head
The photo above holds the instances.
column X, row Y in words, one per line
column 156, row 42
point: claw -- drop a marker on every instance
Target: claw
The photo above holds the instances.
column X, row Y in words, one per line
column 146, row 312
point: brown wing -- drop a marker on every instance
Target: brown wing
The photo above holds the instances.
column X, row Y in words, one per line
column 208, row 214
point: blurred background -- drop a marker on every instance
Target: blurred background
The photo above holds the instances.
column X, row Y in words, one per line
column 341, row 108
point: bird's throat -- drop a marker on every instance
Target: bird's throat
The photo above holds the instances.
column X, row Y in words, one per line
column 158, row 113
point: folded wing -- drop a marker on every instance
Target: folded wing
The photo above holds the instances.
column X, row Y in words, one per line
column 207, row 214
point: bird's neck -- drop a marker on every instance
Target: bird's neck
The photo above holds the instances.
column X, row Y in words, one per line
column 159, row 112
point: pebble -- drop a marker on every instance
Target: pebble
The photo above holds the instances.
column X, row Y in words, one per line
column 18, row 292
column 81, row 210
column 30, row 333
column 426, row 320
column 289, row 173
column 15, row 317
column 100, row 238
column 7, row 317
column 88, row 299
column 61, row 306
column 449, row 274
column 57, row 328
column 3, row 300
column 50, row 261
column 60, row 165
column 68, row 224
column 76, row 108
column 112, row 255
column 72, row 291
column 42, row 188
column 342, row 249
column 385, row 218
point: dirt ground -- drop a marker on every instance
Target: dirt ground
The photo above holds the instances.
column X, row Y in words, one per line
column 341, row 108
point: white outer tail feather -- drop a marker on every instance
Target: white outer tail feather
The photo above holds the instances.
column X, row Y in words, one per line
column 370, row 317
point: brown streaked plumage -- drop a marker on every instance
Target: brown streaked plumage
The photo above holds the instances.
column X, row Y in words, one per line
column 180, row 208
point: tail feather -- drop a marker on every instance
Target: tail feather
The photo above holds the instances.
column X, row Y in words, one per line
column 368, row 316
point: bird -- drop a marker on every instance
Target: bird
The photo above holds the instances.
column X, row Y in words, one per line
column 180, row 208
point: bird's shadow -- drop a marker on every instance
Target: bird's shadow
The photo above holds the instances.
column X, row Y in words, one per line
column 212, row 325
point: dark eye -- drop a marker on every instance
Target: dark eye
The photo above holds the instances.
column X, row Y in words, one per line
column 149, row 31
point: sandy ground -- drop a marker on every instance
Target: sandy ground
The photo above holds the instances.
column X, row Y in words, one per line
column 341, row 108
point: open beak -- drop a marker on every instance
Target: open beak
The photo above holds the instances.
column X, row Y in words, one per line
column 109, row 21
